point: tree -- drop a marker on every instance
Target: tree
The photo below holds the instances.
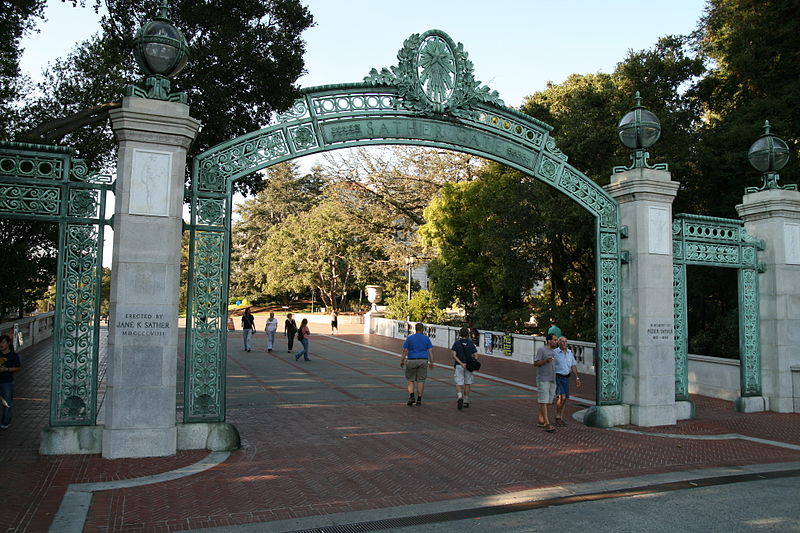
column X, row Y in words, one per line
column 17, row 18
column 29, row 249
column 421, row 308
column 493, row 241
column 322, row 249
column 752, row 49
column 286, row 193
column 230, row 57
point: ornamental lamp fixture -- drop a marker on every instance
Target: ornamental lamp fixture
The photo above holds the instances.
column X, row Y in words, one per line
column 768, row 154
column 639, row 129
column 161, row 51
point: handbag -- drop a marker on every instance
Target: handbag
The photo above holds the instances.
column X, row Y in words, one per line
column 473, row 365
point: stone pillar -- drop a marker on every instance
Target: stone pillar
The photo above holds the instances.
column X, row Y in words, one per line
column 774, row 216
column 646, row 294
column 153, row 137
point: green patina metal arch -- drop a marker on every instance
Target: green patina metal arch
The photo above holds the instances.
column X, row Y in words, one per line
column 429, row 99
column 720, row 242
column 43, row 182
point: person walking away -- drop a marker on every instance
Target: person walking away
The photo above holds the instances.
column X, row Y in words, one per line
column 9, row 365
column 302, row 335
column 418, row 349
column 464, row 350
column 248, row 326
column 289, row 330
column 545, row 380
column 554, row 329
column 565, row 366
column 334, row 323
column 270, row 329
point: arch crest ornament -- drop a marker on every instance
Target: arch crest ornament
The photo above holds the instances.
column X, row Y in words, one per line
column 434, row 75
column 430, row 98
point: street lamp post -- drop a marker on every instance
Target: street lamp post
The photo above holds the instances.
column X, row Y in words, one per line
column 410, row 260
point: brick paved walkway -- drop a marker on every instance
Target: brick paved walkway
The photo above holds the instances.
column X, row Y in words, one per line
column 334, row 435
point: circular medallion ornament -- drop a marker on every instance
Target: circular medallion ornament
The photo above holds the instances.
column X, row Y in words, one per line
column 436, row 67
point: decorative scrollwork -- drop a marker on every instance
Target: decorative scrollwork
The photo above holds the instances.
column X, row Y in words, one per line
column 80, row 171
column 751, row 337
column 239, row 157
column 303, row 137
column 681, row 332
column 298, row 110
column 434, row 75
column 610, row 369
column 207, row 333
column 83, row 203
column 76, row 352
column 210, row 212
column 34, row 199
column 721, row 242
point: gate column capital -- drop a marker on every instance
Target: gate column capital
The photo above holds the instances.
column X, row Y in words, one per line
column 642, row 184
column 154, row 122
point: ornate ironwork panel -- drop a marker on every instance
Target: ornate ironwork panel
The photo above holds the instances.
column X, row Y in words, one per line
column 430, row 98
column 206, row 328
column 77, row 338
column 719, row 242
column 749, row 333
column 681, row 332
column 40, row 182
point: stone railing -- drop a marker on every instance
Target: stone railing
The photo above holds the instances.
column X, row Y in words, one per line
column 30, row 330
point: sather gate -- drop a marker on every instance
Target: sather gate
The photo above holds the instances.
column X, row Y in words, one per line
column 430, row 98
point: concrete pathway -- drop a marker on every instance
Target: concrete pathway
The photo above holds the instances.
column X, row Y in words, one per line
column 331, row 441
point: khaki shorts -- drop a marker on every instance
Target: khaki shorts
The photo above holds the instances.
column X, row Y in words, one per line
column 416, row 369
column 462, row 376
column 547, row 391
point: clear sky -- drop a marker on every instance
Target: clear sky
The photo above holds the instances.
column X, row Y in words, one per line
column 516, row 46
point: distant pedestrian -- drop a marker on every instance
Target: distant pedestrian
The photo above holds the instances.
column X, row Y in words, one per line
column 464, row 351
column 302, row 335
column 289, row 329
column 270, row 329
column 554, row 329
column 545, row 380
column 248, row 326
column 334, row 322
column 9, row 365
column 419, row 351
column 565, row 366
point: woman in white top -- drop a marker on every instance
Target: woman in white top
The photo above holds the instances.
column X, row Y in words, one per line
column 272, row 327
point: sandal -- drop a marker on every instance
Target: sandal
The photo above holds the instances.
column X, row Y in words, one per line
column 560, row 422
column 549, row 429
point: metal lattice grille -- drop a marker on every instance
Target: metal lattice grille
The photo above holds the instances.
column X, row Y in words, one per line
column 718, row 242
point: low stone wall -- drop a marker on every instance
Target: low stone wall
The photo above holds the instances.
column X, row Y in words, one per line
column 313, row 318
column 30, row 330
column 714, row 376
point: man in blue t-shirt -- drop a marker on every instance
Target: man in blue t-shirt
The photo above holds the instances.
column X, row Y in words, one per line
column 9, row 364
column 418, row 349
